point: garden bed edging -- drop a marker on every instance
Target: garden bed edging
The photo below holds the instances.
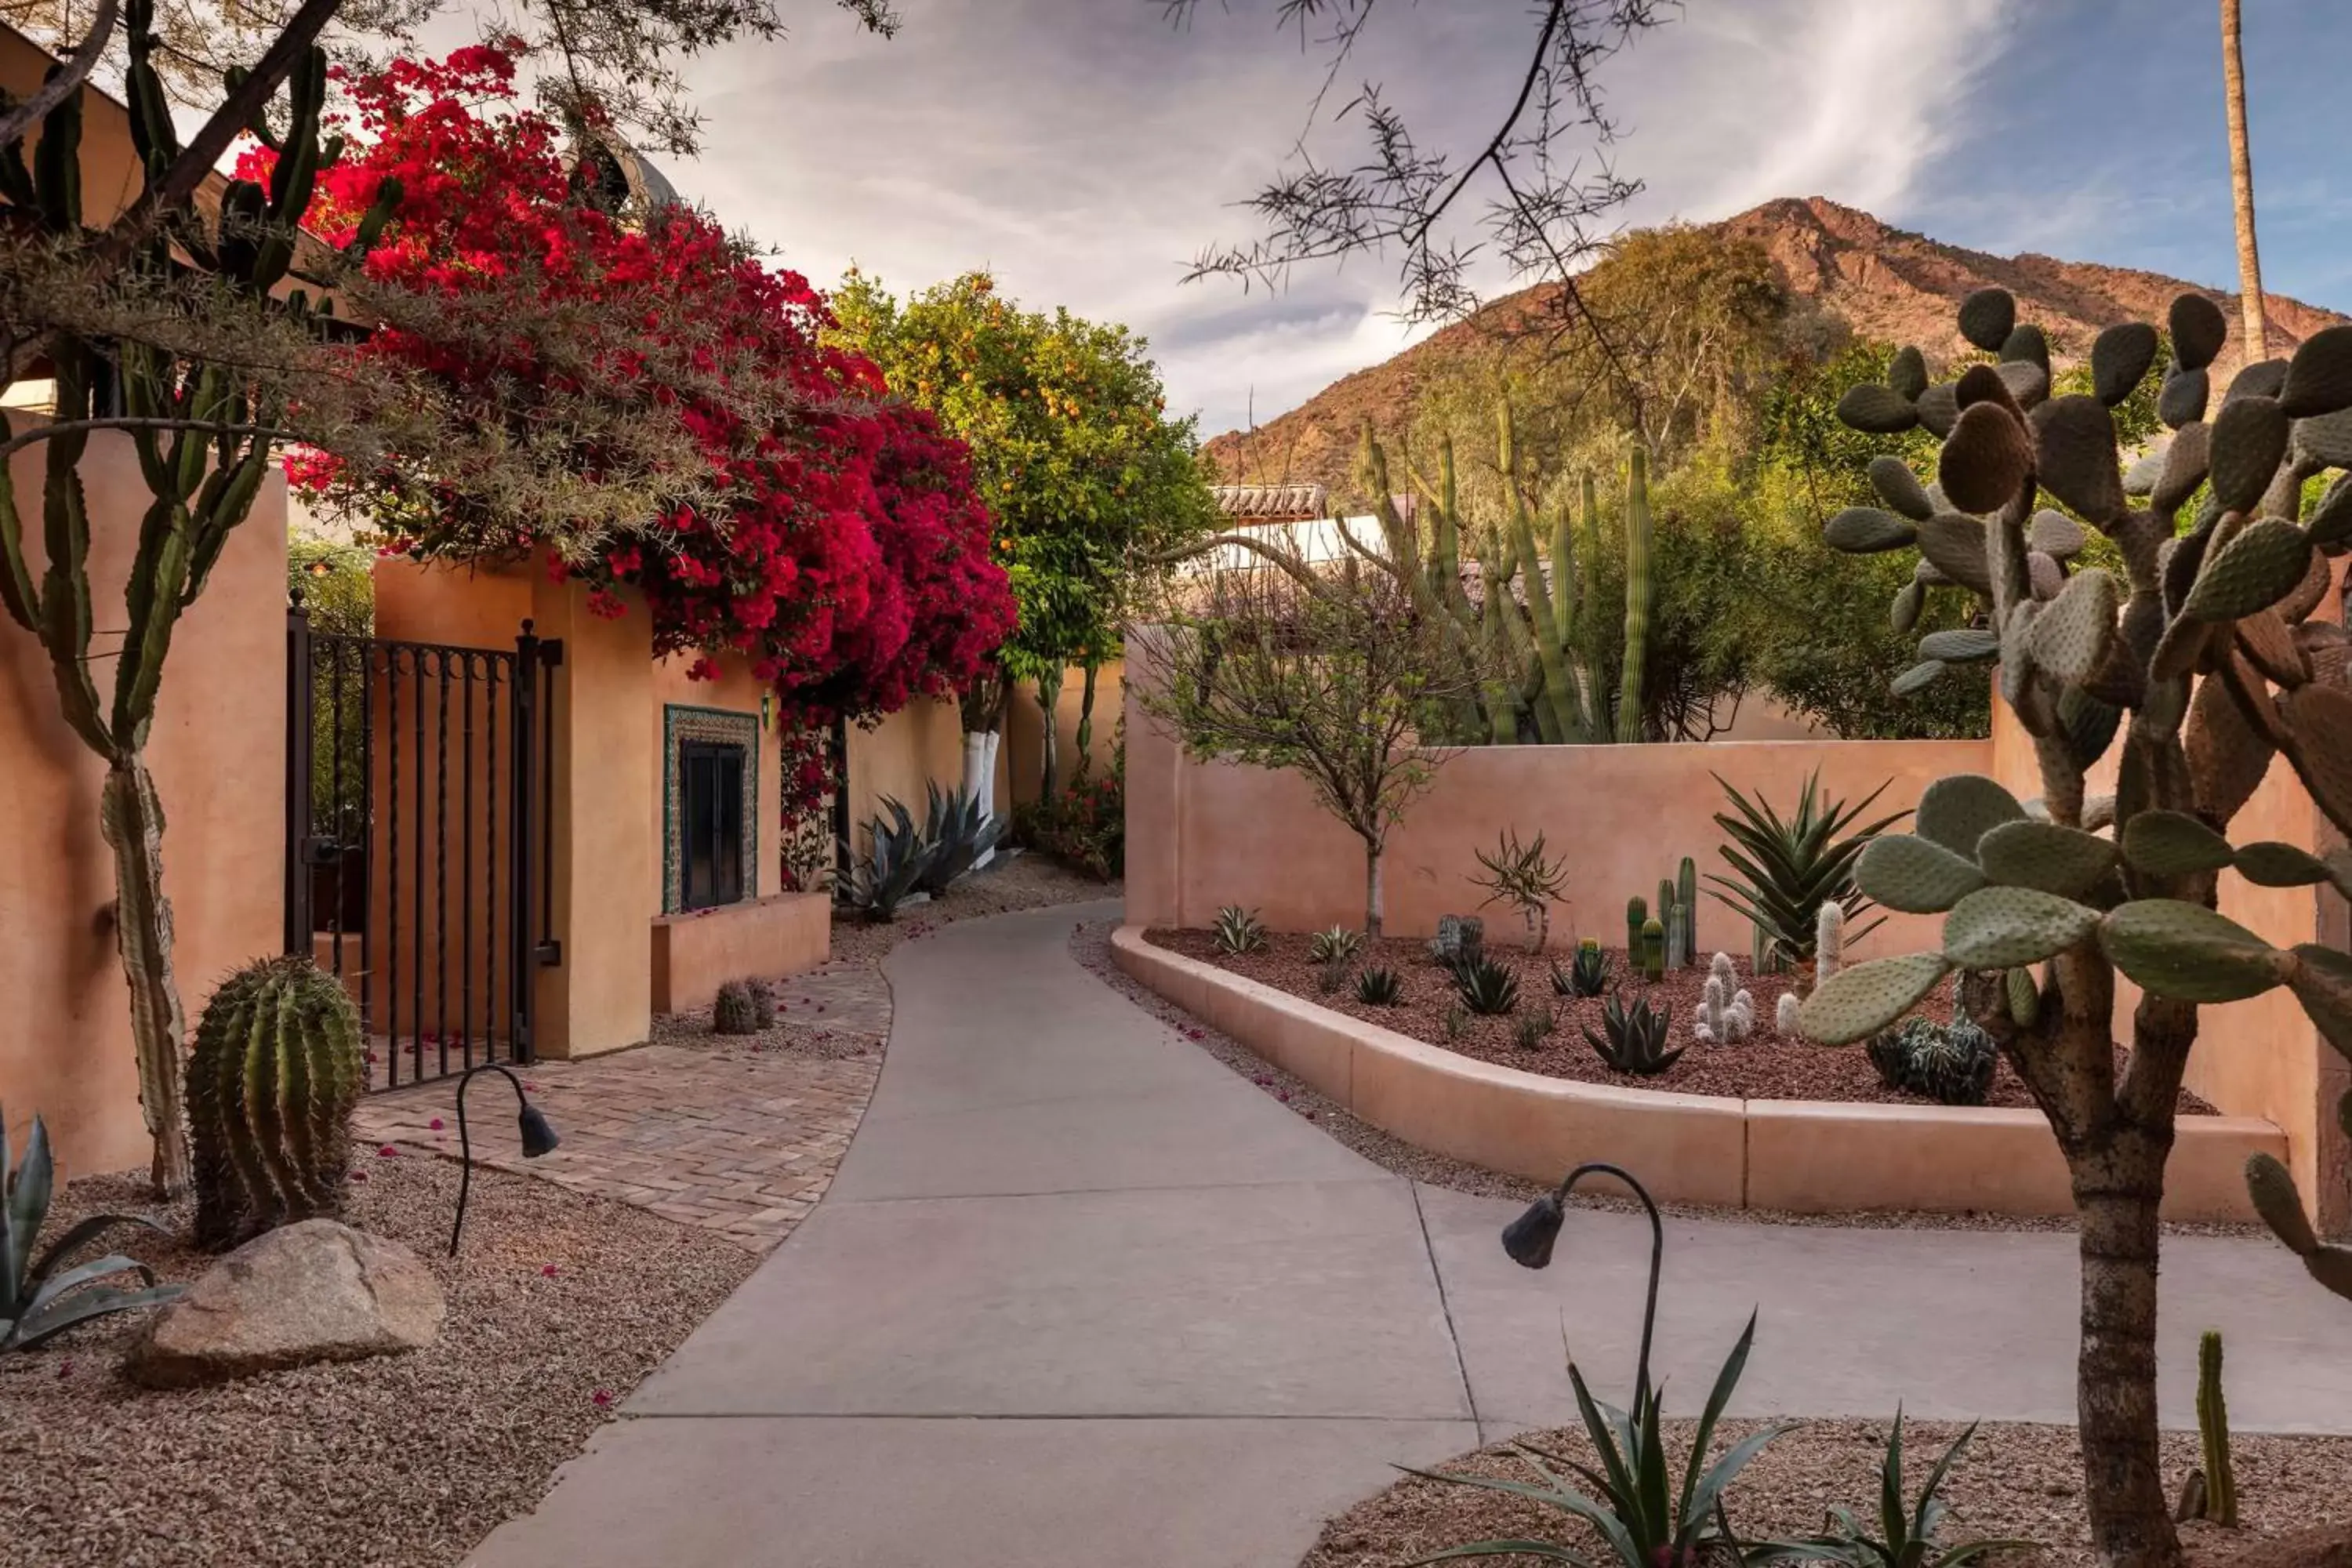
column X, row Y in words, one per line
column 1799, row 1156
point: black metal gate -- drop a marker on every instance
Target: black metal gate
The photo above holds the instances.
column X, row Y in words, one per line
column 416, row 837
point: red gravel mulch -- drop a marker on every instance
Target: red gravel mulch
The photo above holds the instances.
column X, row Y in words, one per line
column 1764, row 1066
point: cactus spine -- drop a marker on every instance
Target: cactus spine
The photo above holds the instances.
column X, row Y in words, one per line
column 1785, row 1017
column 1637, row 597
column 1687, row 908
column 1829, row 941
column 271, row 1085
column 2213, row 1433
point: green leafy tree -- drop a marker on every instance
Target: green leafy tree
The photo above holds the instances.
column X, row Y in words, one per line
column 1073, row 448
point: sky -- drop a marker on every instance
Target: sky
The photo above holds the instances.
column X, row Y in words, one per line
column 1083, row 151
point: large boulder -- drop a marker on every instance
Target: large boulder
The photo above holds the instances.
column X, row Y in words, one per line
column 309, row 1292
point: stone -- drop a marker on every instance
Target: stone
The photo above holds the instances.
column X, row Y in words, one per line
column 316, row 1291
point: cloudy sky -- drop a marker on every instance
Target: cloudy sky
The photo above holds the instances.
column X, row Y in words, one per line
column 1084, row 150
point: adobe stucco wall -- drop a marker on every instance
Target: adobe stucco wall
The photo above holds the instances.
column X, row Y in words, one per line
column 736, row 690
column 695, row 954
column 219, row 755
column 1025, row 749
column 923, row 740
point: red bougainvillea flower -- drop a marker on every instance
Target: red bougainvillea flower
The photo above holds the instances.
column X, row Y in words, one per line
column 435, row 1124
column 548, row 1269
column 600, row 1398
column 387, row 1152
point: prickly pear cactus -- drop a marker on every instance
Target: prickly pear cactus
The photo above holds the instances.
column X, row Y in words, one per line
column 2196, row 655
column 276, row 1070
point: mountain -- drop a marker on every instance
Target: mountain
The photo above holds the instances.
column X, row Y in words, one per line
column 1888, row 283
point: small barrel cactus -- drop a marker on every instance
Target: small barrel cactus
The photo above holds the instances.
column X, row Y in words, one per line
column 743, row 1007
column 276, row 1071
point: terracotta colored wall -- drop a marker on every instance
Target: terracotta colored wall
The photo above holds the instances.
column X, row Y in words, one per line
column 737, row 691
column 1023, row 748
column 923, row 740
column 1205, row 834
column 219, row 755
column 694, row 954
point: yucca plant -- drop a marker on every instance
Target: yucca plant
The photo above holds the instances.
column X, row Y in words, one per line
column 897, row 858
column 1909, row 1535
column 1238, row 931
column 1635, row 1038
column 37, row 1300
column 1787, row 869
column 1337, row 945
column 1378, row 987
column 1486, row 987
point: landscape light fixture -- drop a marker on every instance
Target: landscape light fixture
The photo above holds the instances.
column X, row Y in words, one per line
column 538, row 1138
column 1528, row 1240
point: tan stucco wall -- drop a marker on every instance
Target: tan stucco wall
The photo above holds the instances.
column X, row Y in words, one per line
column 1023, row 748
column 736, row 690
column 695, row 954
column 922, row 741
column 219, row 755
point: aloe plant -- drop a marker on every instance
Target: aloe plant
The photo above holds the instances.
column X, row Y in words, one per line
column 1379, row 987
column 1786, row 869
column 37, row 1301
column 1907, row 1535
column 1486, row 987
column 1633, row 1039
column 1586, row 975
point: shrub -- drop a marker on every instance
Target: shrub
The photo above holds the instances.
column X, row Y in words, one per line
column 1084, row 827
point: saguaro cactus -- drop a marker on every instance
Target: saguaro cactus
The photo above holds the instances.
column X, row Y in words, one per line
column 2200, row 660
column 2213, row 1433
column 1638, row 597
column 1687, row 908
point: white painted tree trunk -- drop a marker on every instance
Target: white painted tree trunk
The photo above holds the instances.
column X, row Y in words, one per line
column 980, row 776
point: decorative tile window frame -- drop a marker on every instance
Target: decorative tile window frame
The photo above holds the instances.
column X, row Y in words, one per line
column 725, row 726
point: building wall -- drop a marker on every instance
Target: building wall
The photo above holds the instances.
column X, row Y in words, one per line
column 736, row 690
column 1024, row 751
column 217, row 751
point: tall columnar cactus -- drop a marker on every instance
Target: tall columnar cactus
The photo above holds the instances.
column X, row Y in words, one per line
column 1638, row 597
column 2198, row 659
column 1687, row 908
column 1829, row 941
column 276, row 1072
column 203, row 436
column 1653, row 950
column 1637, row 914
column 2213, row 1433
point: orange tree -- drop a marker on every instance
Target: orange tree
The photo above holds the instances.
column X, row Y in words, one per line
column 1073, row 450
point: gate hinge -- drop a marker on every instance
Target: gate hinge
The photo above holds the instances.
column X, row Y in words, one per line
column 548, row 954
column 551, row 652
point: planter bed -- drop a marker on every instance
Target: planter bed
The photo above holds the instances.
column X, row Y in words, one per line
column 1764, row 1066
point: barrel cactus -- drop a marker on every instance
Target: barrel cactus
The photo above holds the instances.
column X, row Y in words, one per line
column 276, row 1073
column 742, row 1007
column 2195, row 662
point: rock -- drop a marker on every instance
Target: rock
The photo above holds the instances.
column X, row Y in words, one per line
column 314, row 1291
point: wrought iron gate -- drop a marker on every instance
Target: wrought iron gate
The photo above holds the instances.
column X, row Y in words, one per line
column 416, row 837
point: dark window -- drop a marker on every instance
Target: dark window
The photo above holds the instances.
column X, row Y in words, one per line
column 711, row 832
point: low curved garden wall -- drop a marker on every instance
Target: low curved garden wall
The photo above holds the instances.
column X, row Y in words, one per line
column 1802, row 1156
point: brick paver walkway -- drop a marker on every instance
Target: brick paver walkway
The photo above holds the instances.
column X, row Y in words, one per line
column 737, row 1141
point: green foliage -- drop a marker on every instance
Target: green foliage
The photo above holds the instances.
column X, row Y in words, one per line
column 1586, row 975
column 1487, row 987
column 1337, row 945
column 39, row 1301
column 1633, row 1039
column 957, row 833
column 1950, row 1063
column 1785, row 868
column 1071, row 445
column 1238, row 930
column 897, row 855
column 1907, row 1537
column 1083, row 826
column 2213, row 1434
column 743, row 1007
column 1380, row 987
column 1643, row 1517
column 275, row 1076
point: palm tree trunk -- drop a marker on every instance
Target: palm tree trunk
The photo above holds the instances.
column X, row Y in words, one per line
column 2241, row 188
column 131, row 818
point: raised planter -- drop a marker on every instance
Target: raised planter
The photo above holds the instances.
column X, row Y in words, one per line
column 1799, row 1156
column 695, row 953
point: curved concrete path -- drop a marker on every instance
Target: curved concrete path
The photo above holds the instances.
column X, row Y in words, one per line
column 1079, row 1294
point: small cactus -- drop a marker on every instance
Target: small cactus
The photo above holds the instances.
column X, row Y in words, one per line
column 1637, row 911
column 1951, row 1064
column 1238, row 931
column 1533, row 1026
column 1331, row 975
column 1653, row 950
column 271, row 1086
column 2213, row 1434
column 1459, row 938
column 1786, row 1016
column 1724, row 1016
column 1686, row 910
column 742, row 1007
column 1829, row 941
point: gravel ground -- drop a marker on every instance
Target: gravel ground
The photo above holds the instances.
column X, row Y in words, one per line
column 1763, row 1067
column 559, row 1307
column 2016, row 1482
column 1090, row 944
column 1024, row 880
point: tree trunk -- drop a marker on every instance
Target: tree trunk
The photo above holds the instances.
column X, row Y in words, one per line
column 1049, row 698
column 1372, row 900
column 132, row 818
column 2117, row 1187
column 1086, row 717
column 2242, row 189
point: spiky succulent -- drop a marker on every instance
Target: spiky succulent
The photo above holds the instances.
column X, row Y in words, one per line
column 1950, row 1063
column 898, row 856
column 276, row 1073
column 2197, row 656
column 1534, row 1026
column 958, row 832
column 742, row 1007
column 1633, row 1039
column 1586, row 975
column 36, row 1300
column 1486, row 987
column 1337, row 945
column 1784, row 869
column 1238, row 931
column 1379, row 987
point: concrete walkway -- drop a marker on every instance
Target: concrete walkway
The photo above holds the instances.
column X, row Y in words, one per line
column 1081, row 1295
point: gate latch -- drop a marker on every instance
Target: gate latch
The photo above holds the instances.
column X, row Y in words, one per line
column 322, row 851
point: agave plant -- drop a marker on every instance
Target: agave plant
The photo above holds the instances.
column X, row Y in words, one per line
column 37, row 1300
column 1635, row 1038
column 1486, row 987
column 1787, row 869
column 895, row 864
column 958, row 832
column 1238, row 931
column 1337, row 945
column 1379, row 987
column 1909, row 1538
column 1587, row 976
